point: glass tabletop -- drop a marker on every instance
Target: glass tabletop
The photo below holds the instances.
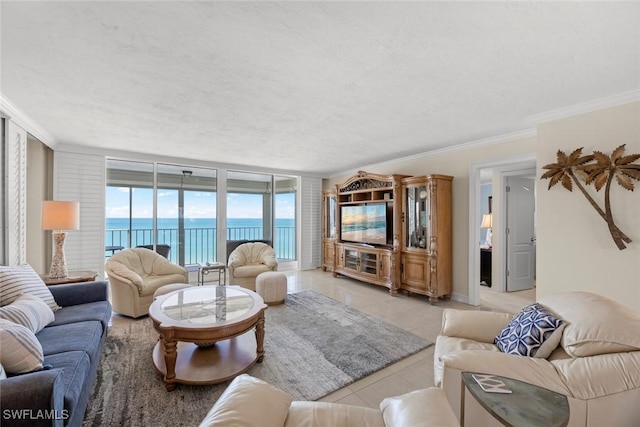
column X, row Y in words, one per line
column 207, row 304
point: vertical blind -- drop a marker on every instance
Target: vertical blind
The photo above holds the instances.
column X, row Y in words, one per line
column 81, row 177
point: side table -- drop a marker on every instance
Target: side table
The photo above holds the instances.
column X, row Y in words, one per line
column 76, row 276
column 205, row 269
column 526, row 405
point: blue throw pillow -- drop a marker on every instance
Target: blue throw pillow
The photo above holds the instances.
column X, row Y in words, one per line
column 534, row 332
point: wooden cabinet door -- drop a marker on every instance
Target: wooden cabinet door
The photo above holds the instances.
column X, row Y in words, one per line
column 368, row 263
column 415, row 271
column 350, row 259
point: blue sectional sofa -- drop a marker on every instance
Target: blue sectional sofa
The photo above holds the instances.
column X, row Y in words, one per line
column 72, row 347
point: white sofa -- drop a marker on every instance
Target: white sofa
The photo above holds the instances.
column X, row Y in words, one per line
column 251, row 402
column 596, row 364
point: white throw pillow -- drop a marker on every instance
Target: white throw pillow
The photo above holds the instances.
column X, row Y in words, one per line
column 20, row 350
column 3, row 374
column 29, row 311
column 22, row 279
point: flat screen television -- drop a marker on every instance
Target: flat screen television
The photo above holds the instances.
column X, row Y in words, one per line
column 364, row 223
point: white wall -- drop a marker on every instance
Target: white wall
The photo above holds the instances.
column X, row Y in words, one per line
column 456, row 163
column 575, row 249
column 39, row 159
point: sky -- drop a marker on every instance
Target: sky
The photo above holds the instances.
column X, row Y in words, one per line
column 198, row 204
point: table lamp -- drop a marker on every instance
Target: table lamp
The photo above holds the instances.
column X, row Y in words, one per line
column 59, row 216
column 487, row 222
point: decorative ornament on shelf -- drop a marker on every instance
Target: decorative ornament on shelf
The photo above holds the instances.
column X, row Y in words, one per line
column 598, row 169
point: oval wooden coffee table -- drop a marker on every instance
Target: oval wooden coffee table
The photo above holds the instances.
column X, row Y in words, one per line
column 207, row 334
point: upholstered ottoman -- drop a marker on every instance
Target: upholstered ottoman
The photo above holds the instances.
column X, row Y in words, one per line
column 163, row 290
column 272, row 287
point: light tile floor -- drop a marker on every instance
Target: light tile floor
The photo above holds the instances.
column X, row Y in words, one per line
column 412, row 313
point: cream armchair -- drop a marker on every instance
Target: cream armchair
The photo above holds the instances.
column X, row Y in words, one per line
column 248, row 260
column 135, row 274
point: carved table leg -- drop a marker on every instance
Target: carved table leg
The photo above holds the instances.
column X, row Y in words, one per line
column 260, row 337
column 170, row 356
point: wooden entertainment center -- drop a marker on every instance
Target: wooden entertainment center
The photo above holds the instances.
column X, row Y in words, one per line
column 406, row 241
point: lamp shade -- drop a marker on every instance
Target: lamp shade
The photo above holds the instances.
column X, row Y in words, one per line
column 487, row 221
column 59, row 215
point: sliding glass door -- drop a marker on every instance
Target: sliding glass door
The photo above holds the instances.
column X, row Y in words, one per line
column 249, row 206
column 129, row 205
column 173, row 210
column 177, row 220
column 186, row 213
column 256, row 212
column 285, row 218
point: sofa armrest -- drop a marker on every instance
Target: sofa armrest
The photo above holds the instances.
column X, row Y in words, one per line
column 79, row 293
column 481, row 326
column 530, row 370
column 162, row 266
column 425, row 407
column 249, row 402
column 23, row 396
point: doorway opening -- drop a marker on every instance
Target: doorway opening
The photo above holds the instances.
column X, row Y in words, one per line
column 494, row 172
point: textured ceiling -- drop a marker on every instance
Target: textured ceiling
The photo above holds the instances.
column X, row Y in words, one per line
column 307, row 86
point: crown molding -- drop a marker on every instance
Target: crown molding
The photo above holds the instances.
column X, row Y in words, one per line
column 512, row 136
column 21, row 119
column 586, row 107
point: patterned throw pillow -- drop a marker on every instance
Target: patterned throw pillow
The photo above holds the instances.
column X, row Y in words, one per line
column 21, row 350
column 534, row 332
column 22, row 279
column 29, row 311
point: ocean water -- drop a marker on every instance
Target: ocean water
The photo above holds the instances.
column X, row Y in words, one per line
column 200, row 235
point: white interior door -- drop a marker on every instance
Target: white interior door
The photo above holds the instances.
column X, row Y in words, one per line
column 521, row 250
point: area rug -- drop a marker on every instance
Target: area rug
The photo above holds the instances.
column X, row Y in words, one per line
column 314, row 345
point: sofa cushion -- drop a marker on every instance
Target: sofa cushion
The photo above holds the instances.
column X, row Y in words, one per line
column 3, row 373
column 533, row 332
column 249, row 402
column 151, row 284
column 600, row 375
column 420, row 408
column 250, row 270
column 29, row 311
column 20, row 350
column 76, row 371
column 22, row 279
column 99, row 310
column 84, row 336
column 595, row 324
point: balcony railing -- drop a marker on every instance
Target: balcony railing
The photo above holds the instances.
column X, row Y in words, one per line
column 200, row 244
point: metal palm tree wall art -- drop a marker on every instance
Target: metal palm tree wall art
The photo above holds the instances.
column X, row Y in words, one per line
column 598, row 169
